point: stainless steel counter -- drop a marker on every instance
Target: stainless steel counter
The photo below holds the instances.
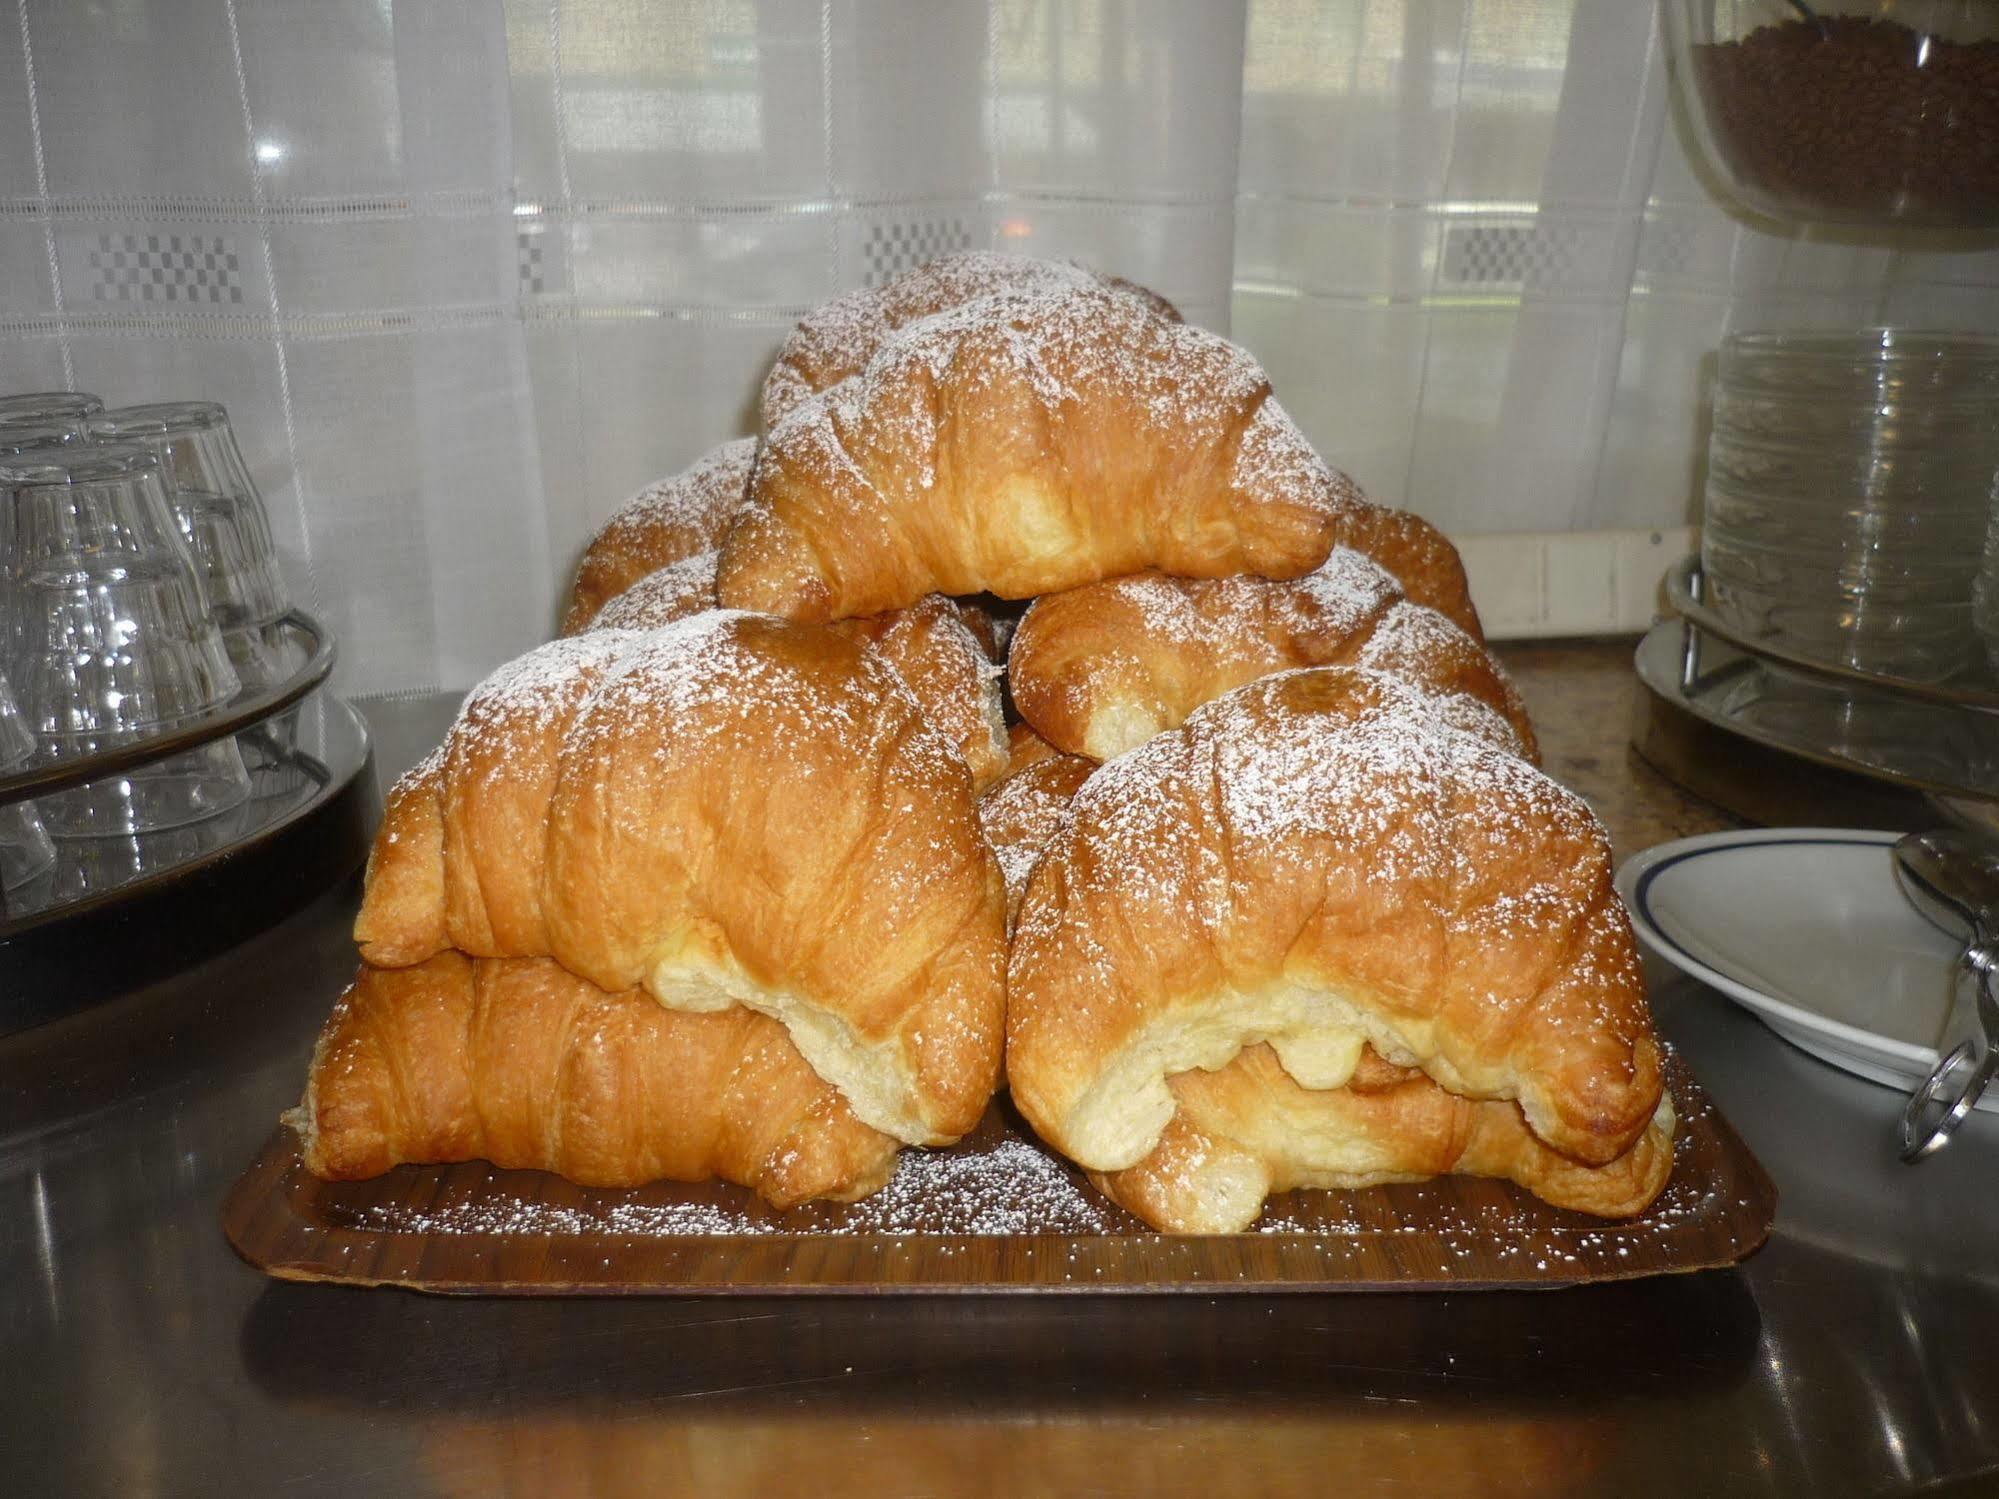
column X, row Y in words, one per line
column 1858, row 1353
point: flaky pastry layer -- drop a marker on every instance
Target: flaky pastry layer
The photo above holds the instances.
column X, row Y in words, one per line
column 1249, row 1130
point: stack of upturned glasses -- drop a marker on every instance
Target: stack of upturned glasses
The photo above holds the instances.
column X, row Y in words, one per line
column 1849, row 481
column 139, row 594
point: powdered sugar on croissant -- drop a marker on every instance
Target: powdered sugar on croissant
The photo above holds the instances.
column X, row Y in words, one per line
column 930, row 645
column 1021, row 813
column 664, row 523
column 835, row 342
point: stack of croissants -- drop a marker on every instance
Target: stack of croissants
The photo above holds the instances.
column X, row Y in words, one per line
column 746, row 876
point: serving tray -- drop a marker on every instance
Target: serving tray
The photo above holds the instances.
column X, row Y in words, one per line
column 303, row 636
column 1971, row 687
column 1904, row 741
column 994, row 1213
column 101, row 927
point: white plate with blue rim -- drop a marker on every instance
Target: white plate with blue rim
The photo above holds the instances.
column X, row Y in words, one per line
column 1807, row 929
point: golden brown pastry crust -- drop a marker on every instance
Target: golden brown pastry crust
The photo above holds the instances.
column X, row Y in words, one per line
column 952, row 678
column 659, row 598
column 729, row 810
column 521, row 1063
column 1024, row 746
column 1021, row 813
column 991, row 632
column 835, row 342
column 673, row 528
column 664, row 523
column 1420, row 557
column 1248, row 1130
column 1100, row 669
column 1023, row 444
column 930, row 645
column 1318, row 860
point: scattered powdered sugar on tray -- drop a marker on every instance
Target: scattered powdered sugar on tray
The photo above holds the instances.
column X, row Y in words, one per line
column 500, row 1213
column 1013, row 1187
column 1001, row 1185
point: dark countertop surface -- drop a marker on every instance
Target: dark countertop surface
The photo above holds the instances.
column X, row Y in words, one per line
column 1858, row 1353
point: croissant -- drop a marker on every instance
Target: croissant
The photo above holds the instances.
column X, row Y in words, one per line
column 991, row 629
column 1249, row 1129
column 662, row 596
column 949, row 673
column 1100, row 669
column 521, row 1063
column 1020, row 814
column 664, row 523
column 730, row 810
column 1024, row 747
column 930, row 645
column 836, row 341
column 1325, row 860
column 1021, row 444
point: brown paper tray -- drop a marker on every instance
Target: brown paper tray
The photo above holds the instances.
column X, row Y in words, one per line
column 994, row 1213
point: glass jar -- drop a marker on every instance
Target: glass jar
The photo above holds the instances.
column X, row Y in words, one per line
column 1882, row 113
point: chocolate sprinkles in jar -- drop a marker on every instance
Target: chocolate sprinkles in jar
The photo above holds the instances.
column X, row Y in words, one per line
column 1883, row 113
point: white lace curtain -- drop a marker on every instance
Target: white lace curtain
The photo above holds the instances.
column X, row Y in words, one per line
column 466, row 274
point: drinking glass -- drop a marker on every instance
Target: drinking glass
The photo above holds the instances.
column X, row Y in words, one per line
column 20, row 435
column 26, row 855
column 223, row 520
column 109, row 640
column 74, row 404
column 1848, row 485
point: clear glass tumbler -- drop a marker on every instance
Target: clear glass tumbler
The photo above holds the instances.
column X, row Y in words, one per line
column 109, row 639
column 26, row 855
column 76, row 405
column 1848, row 486
column 37, row 434
column 223, row 519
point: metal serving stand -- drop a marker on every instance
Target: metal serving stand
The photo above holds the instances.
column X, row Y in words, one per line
column 1777, row 736
column 94, row 931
